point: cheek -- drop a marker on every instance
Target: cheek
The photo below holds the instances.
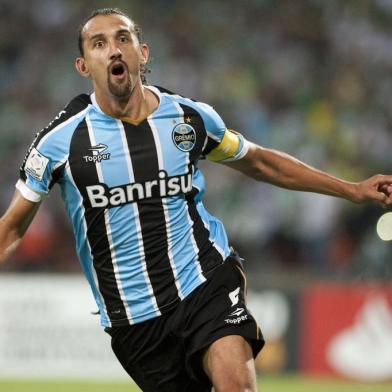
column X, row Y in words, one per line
column 97, row 70
column 135, row 63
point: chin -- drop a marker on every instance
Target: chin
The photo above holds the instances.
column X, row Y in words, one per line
column 121, row 92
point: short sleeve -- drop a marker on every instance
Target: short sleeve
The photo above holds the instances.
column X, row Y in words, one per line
column 214, row 125
column 36, row 171
column 46, row 158
column 222, row 144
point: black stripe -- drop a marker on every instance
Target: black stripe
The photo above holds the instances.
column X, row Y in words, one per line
column 211, row 144
column 56, row 174
column 193, row 118
column 145, row 165
column 76, row 105
column 85, row 174
column 209, row 257
column 164, row 90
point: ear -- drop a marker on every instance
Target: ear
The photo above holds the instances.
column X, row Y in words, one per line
column 81, row 67
column 145, row 52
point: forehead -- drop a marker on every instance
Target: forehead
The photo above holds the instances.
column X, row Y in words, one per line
column 106, row 24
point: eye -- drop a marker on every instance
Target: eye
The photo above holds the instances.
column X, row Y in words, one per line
column 98, row 44
column 123, row 38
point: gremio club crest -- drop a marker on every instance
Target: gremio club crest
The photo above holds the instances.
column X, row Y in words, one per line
column 184, row 137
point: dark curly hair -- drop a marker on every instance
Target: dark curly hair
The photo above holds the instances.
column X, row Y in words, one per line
column 113, row 11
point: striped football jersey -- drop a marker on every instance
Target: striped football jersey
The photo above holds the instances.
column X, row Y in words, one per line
column 133, row 194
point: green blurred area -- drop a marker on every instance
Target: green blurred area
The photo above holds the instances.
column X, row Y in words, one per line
column 308, row 77
column 267, row 384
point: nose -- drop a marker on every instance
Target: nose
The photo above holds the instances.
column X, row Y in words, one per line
column 115, row 53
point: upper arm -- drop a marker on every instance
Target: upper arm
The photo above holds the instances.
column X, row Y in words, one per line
column 249, row 163
column 258, row 163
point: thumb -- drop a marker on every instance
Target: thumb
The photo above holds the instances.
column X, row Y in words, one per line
column 381, row 198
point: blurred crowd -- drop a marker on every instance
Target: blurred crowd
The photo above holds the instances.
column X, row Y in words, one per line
column 309, row 77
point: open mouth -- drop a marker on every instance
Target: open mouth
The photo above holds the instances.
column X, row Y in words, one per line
column 118, row 70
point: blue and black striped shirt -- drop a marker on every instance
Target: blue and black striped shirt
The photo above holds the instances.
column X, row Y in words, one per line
column 133, row 194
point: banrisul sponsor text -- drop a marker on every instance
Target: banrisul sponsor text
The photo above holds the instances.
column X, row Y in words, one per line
column 100, row 195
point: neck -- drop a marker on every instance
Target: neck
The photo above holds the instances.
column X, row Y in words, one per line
column 134, row 108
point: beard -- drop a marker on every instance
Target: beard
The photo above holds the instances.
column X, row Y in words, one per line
column 121, row 89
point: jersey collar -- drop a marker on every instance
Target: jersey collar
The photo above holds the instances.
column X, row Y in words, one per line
column 151, row 88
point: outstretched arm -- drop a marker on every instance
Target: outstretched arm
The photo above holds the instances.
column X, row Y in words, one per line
column 285, row 171
column 14, row 223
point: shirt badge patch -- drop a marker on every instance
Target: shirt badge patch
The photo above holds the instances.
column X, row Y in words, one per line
column 184, row 137
column 36, row 164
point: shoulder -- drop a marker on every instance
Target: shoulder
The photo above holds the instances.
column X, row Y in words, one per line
column 68, row 118
column 75, row 107
column 209, row 115
column 51, row 143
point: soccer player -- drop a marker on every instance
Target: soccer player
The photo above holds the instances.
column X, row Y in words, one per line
column 170, row 290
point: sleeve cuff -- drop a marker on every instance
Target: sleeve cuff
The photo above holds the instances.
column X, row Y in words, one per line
column 28, row 193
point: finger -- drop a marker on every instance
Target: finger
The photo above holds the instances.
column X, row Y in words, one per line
column 381, row 198
column 385, row 187
column 383, row 179
column 382, row 204
column 387, row 201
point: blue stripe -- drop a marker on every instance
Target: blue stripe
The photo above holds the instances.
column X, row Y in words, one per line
column 124, row 236
column 217, row 231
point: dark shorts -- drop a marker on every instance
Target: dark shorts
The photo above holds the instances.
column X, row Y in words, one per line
column 165, row 354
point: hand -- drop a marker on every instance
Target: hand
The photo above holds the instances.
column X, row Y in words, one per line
column 377, row 188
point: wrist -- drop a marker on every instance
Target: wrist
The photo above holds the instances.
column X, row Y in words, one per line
column 352, row 192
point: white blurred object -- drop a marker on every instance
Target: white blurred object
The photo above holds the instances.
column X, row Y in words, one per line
column 47, row 330
column 272, row 311
column 384, row 227
column 364, row 350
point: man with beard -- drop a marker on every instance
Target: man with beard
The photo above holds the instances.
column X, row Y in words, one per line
column 170, row 290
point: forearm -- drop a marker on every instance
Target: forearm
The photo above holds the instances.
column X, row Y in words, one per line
column 9, row 240
column 283, row 170
column 14, row 223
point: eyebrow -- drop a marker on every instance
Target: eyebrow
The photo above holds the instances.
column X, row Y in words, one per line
column 101, row 35
column 122, row 31
column 95, row 36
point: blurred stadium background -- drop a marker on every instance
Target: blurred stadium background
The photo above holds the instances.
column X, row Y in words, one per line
column 309, row 77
